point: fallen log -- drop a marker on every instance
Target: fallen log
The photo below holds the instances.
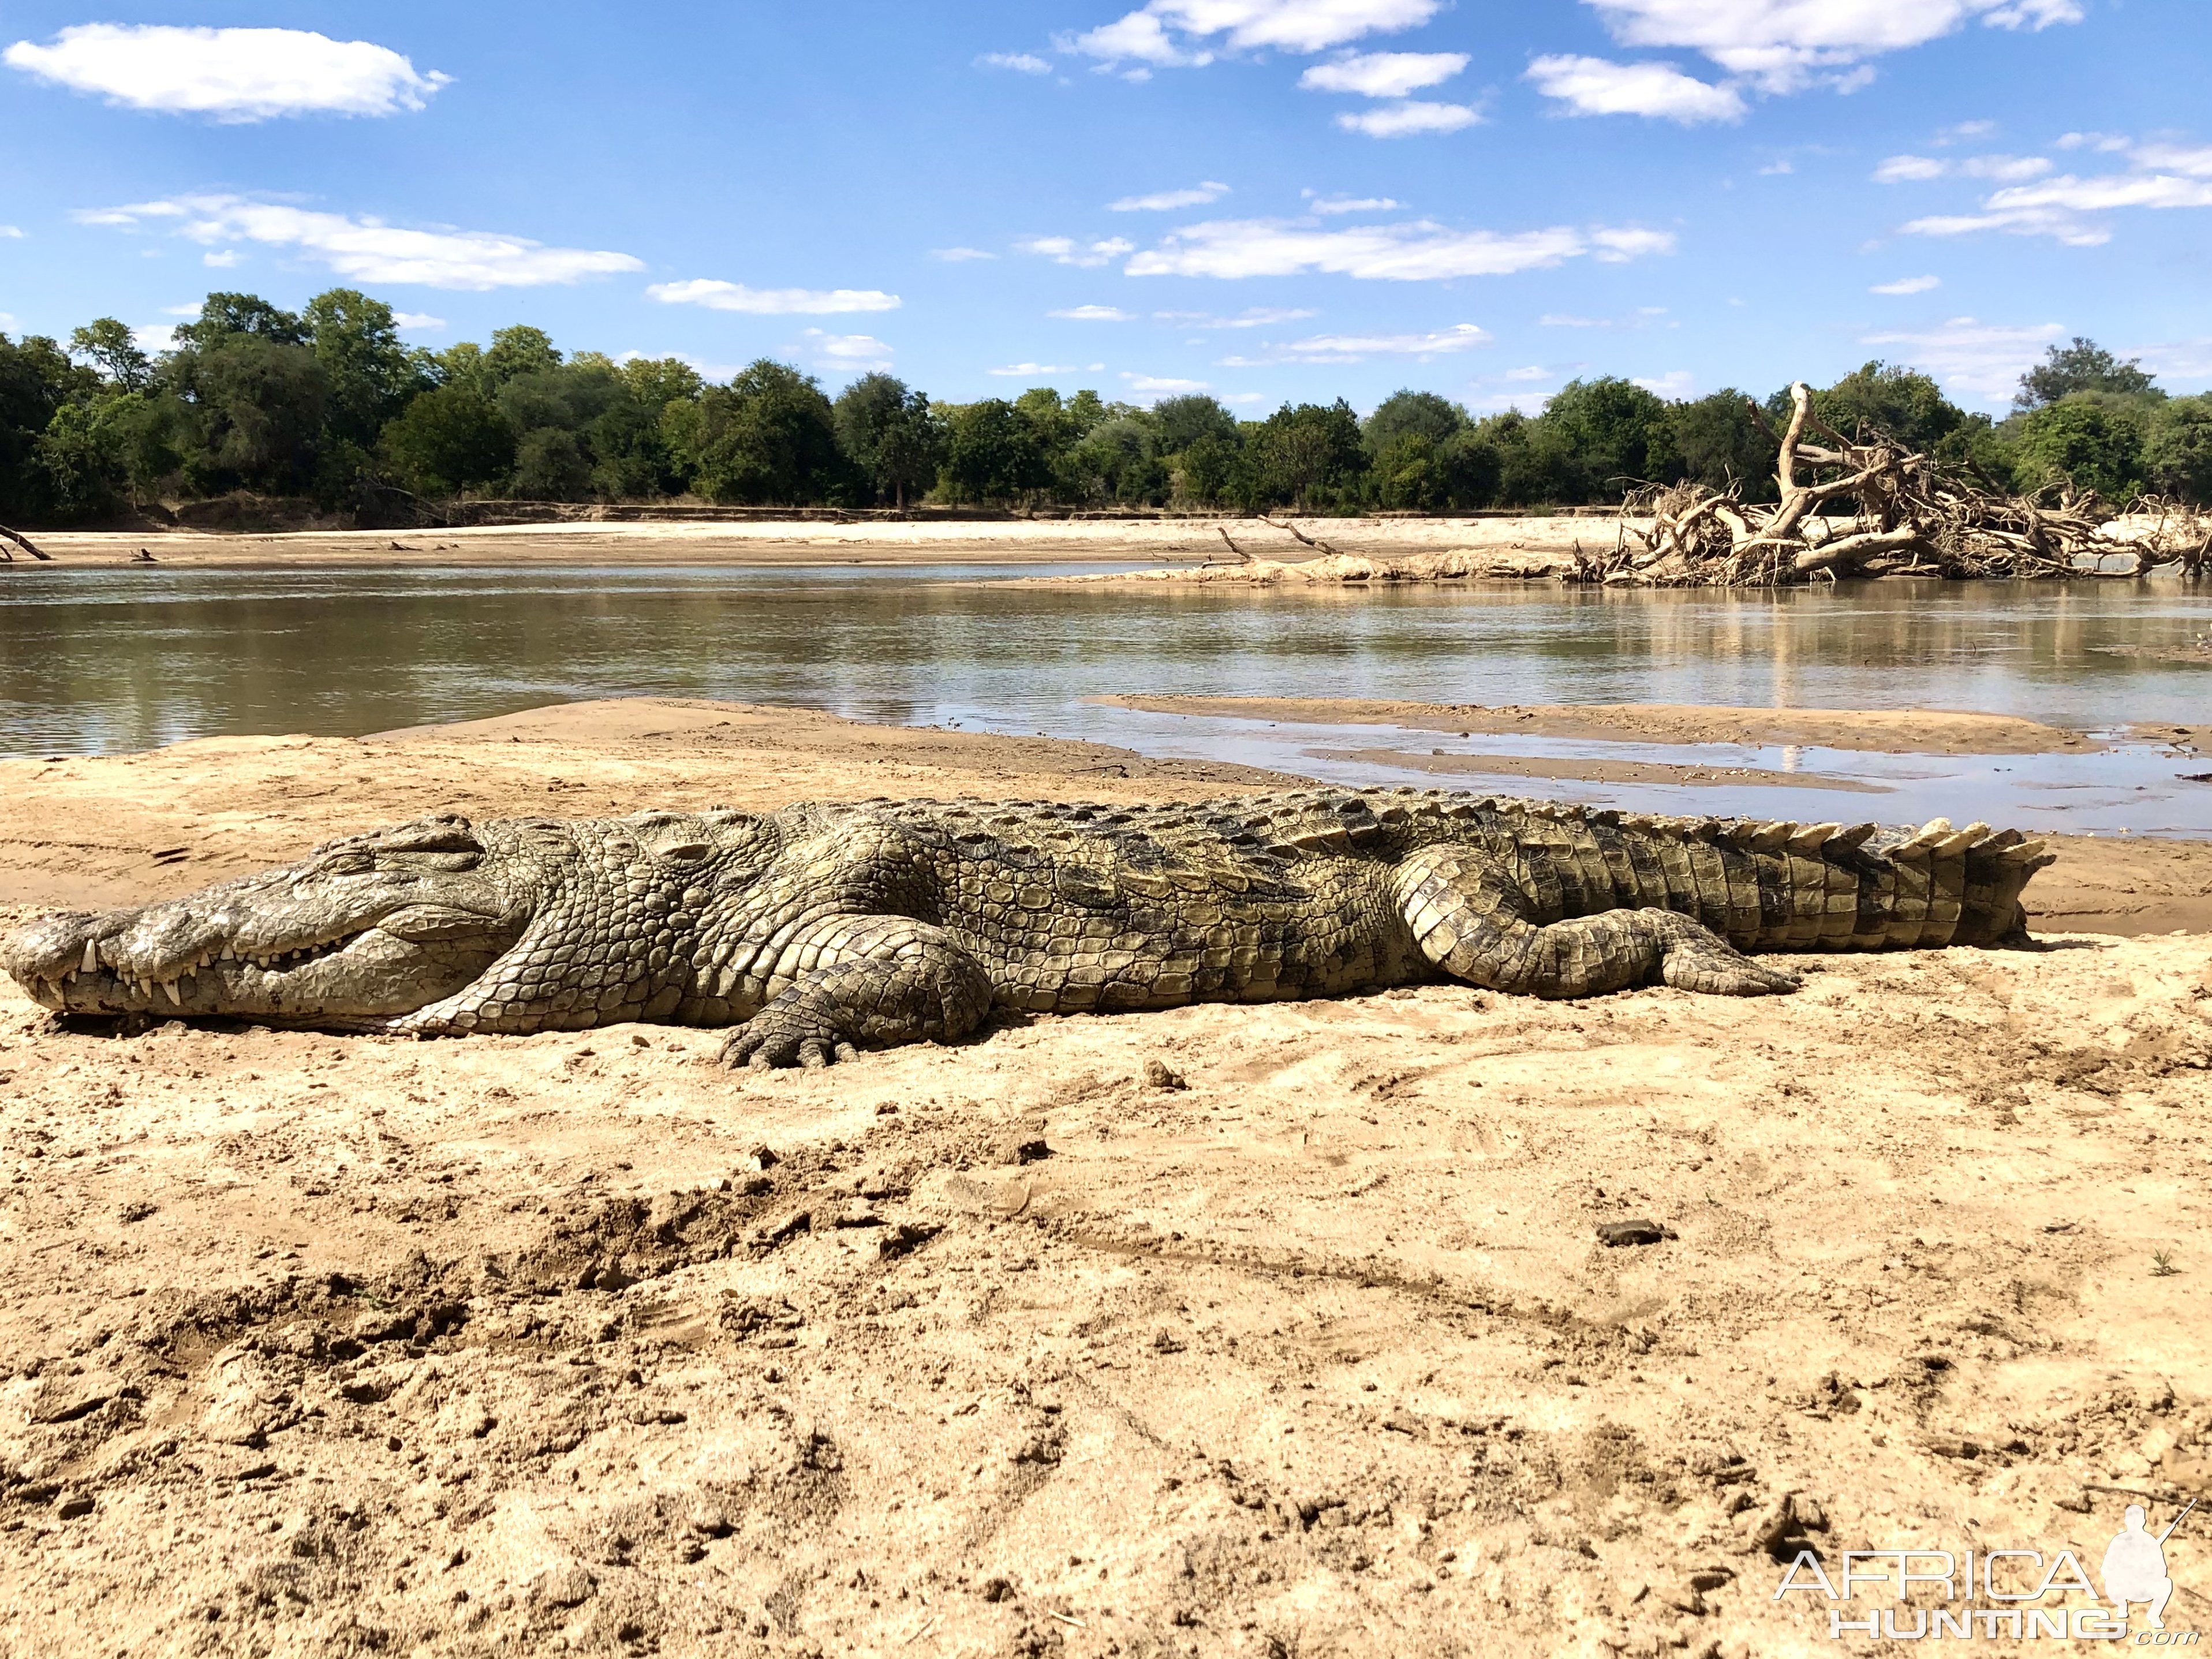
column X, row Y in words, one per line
column 9, row 540
column 1909, row 515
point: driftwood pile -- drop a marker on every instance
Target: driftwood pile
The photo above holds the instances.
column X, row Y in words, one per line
column 1909, row 516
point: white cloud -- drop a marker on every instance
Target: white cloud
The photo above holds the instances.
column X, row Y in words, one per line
column 233, row 75
column 1418, row 251
column 223, row 260
column 1353, row 204
column 1677, row 384
column 416, row 322
column 368, row 250
column 1015, row 370
column 1413, row 116
column 2004, row 169
column 156, row 338
column 1298, row 26
column 2105, row 144
column 1954, row 133
column 1022, row 63
column 1358, row 348
column 2176, row 360
column 1160, row 385
column 1532, row 372
column 2162, row 176
column 1067, row 251
column 1904, row 169
column 10, row 233
column 771, row 301
column 1593, row 86
column 1094, row 314
column 192, row 310
column 1982, row 359
column 1166, row 201
column 2171, row 158
column 954, row 256
column 1907, row 285
column 846, row 351
column 1257, row 317
column 1781, row 169
column 1385, row 74
column 1784, row 46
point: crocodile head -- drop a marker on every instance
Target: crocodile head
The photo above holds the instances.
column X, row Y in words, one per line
column 367, row 929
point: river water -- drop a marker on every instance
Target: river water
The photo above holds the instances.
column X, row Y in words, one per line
column 122, row 658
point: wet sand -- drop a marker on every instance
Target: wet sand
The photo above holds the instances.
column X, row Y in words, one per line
column 317, row 1345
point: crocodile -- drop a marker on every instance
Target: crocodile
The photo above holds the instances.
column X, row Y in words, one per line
column 821, row 929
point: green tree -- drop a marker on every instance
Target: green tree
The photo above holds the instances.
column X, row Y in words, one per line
column 550, row 466
column 1307, row 455
column 1415, row 473
column 993, row 453
column 1716, row 439
column 2088, row 441
column 114, row 349
column 1614, row 433
column 83, row 455
column 36, row 379
column 891, row 435
column 1186, row 419
column 450, row 439
column 222, row 314
column 1535, row 465
column 370, row 374
column 1886, row 398
column 1406, row 412
column 767, row 438
column 1216, row 471
column 517, row 351
column 2081, row 366
column 257, row 404
column 2177, row 455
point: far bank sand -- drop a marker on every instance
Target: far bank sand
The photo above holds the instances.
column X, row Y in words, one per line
column 874, row 542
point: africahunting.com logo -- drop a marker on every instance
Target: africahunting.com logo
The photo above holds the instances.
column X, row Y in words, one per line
column 2017, row 1585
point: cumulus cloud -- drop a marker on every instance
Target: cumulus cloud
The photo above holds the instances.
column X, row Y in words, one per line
column 1677, row 383
column 1784, row 45
column 771, row 301
column 1595, row 86
column 959, row 255
column 1412, row 117
column 2003, row 169
column 416, row 322
column 1067, row 251
column 10, row 233
column 1149, row 35
column 1358, row 348
column 1094, row 314
column 1166, row 201
column 2162, row 176
column 222, row 260
column 850, row 352
column 1907, row 285
column 1385, row 74
column 368, row 250
column 233, row 74
column 1012, row 370
column 1161, row 386
column 1352, row 203
column 1256, row 317
column 1984, row 359
column 1022, row 63
column 1418, row 251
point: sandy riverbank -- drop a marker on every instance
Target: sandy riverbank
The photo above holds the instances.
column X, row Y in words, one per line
column 316, row 1344
column 1188, row 541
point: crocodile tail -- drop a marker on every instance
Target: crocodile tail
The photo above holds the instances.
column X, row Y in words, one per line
column 1960, row 886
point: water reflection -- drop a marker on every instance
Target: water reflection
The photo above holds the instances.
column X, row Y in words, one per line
column 125, row 658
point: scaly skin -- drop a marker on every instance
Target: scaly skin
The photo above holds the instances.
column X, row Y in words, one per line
column 821, row 929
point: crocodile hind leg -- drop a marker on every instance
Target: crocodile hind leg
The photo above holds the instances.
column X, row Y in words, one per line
column 864, row 981
column 1471, row 920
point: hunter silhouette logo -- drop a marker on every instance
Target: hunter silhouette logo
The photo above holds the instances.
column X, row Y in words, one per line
column 2012, row 1588
column 2134, row 1566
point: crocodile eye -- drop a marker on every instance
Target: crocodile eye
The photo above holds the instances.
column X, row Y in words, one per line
column 346, row 863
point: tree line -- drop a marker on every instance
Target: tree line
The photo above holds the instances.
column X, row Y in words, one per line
column 327, row 402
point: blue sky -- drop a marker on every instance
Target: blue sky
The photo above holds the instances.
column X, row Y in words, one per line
column 1262, row 198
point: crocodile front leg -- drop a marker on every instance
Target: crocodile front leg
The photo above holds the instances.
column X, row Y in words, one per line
column 1471, row 920
column 872, row 982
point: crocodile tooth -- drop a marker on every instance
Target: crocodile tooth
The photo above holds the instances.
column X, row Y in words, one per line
column 169, row 987
column 91, row 957
column 228, row 954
